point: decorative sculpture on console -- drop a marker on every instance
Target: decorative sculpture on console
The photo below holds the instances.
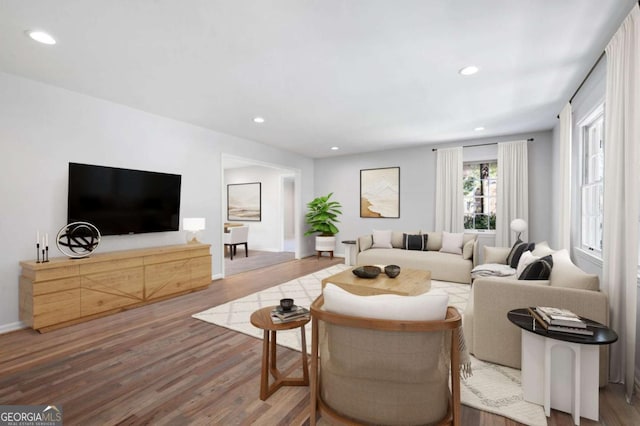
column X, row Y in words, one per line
column 78, row 239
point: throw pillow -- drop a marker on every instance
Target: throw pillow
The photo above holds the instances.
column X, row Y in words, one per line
column 414, row 242
column 542, row 249
column 452, row 243
column 467, row 250
column 538, row 270
column 435, row 241
column 525, row 260
column 518, row 248
column 382, row 239
column 428, row 306
column 365, row 242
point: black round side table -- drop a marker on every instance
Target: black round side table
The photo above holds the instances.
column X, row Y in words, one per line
column 561, row 370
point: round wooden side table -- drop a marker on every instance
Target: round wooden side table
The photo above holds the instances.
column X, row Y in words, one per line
column 262, row 320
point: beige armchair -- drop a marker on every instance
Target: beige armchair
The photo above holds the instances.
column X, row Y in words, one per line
column 375, row 371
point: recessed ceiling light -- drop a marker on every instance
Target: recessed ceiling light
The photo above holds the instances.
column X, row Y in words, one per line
column 41, row 36
column 258, row 120
column 470, row 70
column 479, row 129
column 335, row 148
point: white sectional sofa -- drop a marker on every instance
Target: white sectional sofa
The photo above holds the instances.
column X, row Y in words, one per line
column 492, row 337
column 444, row 266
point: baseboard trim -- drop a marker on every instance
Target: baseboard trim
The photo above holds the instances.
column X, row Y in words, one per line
column 14, row 326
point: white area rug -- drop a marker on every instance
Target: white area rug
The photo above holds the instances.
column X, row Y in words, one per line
column 492, row 387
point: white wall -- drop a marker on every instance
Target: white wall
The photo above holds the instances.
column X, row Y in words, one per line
column 43, row 128
column 341, row 175
column 268, row 233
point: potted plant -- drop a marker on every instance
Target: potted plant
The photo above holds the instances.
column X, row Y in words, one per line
column 322, row 218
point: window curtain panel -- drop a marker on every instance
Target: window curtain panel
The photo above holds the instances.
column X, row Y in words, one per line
column 564, row 179
column 449, row 196
column 621, row 186
column 513, row 191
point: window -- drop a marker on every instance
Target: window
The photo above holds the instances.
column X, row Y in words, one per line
column 480, row 190
column 591, row 189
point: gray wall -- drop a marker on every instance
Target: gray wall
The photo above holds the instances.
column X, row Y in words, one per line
column 341, row 175
column 590, row 95
column 43, row 128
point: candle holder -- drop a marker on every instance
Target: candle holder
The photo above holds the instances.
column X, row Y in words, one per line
column 46, row 254
column 37, row 252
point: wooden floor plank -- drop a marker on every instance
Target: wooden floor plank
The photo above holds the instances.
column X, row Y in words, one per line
column 157, row 365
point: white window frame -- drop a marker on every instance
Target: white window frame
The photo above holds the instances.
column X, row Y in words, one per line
column 474, row 230
column 591, row 189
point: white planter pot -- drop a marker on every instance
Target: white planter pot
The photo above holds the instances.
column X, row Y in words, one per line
column 325, row 243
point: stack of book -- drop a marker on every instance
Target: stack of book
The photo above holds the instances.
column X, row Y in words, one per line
column 279, row 315
column 561, row 320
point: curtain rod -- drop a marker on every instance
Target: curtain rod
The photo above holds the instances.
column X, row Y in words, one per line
column 587, row 77
column 589, row 73
column 481, row 144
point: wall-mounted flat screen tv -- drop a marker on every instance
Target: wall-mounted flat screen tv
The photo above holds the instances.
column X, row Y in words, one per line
column 122, row 201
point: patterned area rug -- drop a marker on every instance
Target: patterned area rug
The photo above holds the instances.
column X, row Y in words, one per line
column 492, row 387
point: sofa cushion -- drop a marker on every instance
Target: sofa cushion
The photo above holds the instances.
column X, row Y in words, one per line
column 566, row 274
column 452, row 242
column 518, row 248
column 526, row 259
column 434, row 242
column 539, row 269
column 365, row 242
column 382, row 239
column 467, row 249
column 443, row 266
column 496, row 254
column 397, row 238
column 414, row 242
column 428, row 306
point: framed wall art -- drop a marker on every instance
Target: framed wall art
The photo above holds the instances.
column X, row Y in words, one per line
column 244, row 202
column 380, row 193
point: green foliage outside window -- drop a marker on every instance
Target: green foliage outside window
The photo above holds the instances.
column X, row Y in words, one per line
column 480, row 190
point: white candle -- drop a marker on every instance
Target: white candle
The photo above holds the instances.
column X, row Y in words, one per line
column 37, row 237
column 46, row 239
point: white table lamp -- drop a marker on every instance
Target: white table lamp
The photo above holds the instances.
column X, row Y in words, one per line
column 193, row 225
column 519, row 226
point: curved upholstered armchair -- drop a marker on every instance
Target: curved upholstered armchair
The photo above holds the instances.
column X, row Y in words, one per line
column 366, row 370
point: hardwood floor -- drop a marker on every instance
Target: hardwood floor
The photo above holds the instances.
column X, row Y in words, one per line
column 157, row 365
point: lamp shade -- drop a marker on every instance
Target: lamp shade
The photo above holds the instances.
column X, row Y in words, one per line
column 193, row 224
column 518, row 225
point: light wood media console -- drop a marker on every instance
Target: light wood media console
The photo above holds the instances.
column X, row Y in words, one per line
column 66, row 291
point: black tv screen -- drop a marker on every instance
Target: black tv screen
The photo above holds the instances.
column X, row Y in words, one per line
column 122, row 201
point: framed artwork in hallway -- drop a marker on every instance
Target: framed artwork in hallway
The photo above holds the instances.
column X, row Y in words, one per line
column 244, row 202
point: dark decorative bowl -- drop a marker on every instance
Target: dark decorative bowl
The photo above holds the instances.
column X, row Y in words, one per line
column 392, row 271
column 367, row 271
column 286, row 304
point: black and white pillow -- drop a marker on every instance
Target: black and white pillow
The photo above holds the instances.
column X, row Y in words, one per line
column 518, row 248
column 414, row 242
column 538, row 270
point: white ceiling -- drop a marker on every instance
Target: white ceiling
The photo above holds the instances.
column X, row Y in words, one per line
column 363, row 75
